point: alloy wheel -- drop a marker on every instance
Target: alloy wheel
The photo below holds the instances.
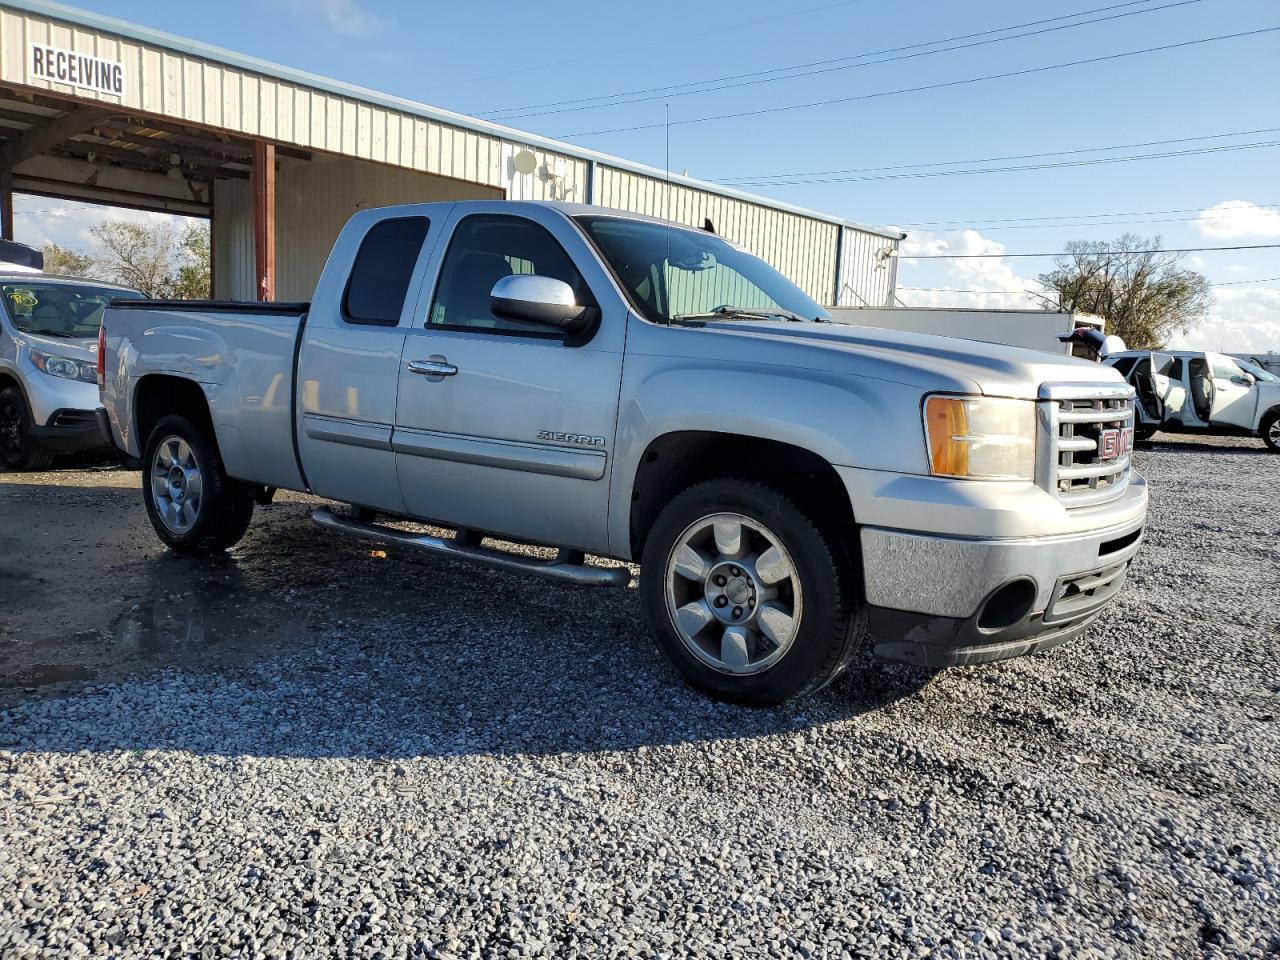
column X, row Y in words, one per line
column 733, row 594
column 177, row 485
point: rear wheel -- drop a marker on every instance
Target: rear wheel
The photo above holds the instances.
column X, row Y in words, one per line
column 18, row 448
column 193, row 505
column 1271, row 430
column 747, row 596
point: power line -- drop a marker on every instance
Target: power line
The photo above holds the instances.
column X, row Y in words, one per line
column 662, row 41
column 1062, row 253
column 929, row 174
column 762, row 178
column 985, row 228
column 1229, row 283
column 1236, row 283
column 1067, row 216
column 1044, row 68
column 752, row 78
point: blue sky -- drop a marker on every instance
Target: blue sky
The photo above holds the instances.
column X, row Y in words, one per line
column 480, row 57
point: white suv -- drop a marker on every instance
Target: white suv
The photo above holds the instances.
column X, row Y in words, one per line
column 1183, row 391
column 48, row 365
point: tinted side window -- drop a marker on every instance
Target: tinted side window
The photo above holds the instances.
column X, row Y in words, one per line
column 1125, row 364
column 1175, row 369
column 384, row 265
column 487, row 248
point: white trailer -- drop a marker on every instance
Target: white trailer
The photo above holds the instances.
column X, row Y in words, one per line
column 1037, row 329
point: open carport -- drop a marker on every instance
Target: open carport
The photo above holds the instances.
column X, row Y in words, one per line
column 96, row 109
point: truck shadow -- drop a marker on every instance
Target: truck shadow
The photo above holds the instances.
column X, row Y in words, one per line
column 302, row 644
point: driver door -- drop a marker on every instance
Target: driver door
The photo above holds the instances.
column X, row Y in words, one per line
column 1235, row 397
column 505, row 427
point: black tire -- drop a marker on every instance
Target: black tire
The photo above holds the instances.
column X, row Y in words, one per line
column 18, row 448
column 1271, row 431
column 225, row 505
column 1143, row 434
column 832, row 624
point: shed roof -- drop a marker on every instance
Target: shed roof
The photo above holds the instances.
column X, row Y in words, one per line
column 215, row 54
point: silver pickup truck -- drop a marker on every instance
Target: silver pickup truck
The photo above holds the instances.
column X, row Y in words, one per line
column 602, row 383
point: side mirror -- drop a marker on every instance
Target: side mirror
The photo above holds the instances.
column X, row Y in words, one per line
column 525, row 298
column 1244, row 379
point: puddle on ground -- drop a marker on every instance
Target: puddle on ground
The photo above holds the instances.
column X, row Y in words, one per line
column 216, row 617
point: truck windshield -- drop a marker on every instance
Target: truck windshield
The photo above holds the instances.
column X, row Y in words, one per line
column 673, row 272
column 70, row 310
column 1257, row 371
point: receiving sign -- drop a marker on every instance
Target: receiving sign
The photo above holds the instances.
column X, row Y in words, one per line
column 76, row 69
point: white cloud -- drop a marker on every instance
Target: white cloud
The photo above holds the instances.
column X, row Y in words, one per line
column 1246, row 319
column 1237, row 220
column 980, row 282
column 343, row 16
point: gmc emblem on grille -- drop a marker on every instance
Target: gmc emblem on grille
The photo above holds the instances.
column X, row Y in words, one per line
column 1114, row 443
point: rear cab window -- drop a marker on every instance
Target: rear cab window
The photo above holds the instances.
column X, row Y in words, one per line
column 382, row 271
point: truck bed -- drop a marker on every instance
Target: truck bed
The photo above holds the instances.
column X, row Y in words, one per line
column 241, row 353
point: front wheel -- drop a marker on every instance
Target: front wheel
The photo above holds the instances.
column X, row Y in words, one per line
column 193, row 505
column 18, row 448
column 1271, row 430
column 749, row 598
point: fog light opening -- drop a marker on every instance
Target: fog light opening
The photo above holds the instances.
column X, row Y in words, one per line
column 1007, row 606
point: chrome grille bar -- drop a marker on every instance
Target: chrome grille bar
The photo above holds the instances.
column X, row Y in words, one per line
column 1074, row 420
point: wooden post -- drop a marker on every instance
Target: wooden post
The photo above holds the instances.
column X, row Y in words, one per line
column 6, row 200
column 264, row 217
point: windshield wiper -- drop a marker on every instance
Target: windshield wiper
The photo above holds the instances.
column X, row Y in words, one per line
column 55, row 333
column 728, row 312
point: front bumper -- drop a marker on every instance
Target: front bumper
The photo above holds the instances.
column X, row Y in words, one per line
column 74, row 431
column 944, row 600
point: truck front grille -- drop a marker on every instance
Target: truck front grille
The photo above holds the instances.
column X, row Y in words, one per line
column 1088, row 433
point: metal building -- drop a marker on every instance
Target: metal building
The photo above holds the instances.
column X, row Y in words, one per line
column 97, row 109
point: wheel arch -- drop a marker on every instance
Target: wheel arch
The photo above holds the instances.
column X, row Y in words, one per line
column 675, row 461
column 157, row 395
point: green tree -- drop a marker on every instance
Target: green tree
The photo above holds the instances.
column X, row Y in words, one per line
column 193, row 278
column 67, row 263
column 1145, row 296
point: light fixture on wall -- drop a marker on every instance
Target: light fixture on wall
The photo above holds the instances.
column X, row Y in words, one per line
column 884, row 255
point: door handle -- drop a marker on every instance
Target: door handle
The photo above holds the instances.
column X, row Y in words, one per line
column 435, row 367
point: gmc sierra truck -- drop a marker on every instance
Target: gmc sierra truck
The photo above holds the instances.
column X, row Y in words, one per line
column 608, row 384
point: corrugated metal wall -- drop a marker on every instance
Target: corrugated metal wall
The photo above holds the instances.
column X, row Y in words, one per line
column 234, row 96
column 867, row 279
column 314, row 201
column 185, row 88
column 231, row 241
column 802, row 248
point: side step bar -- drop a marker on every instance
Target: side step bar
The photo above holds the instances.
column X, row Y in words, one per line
column 568, row 566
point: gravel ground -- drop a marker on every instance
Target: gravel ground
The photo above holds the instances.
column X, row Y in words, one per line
column 311, row 750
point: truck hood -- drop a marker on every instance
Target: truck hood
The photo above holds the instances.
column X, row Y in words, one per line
column 924, row 360
column 77, row 349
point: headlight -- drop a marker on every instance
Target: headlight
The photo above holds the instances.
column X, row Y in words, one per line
column 64, row 367
column 982, row 438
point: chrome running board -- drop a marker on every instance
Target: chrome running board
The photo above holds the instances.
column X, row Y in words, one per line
column 568, row 566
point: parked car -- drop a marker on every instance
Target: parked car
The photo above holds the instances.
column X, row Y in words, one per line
column 611, row 384
column 1185, row 391
column 48, row 365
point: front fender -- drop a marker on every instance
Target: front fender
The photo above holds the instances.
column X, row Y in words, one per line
column 845, row 420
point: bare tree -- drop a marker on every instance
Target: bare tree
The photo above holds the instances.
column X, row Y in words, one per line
column 1146, row 297
column 139, row 255
column 158, row 259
